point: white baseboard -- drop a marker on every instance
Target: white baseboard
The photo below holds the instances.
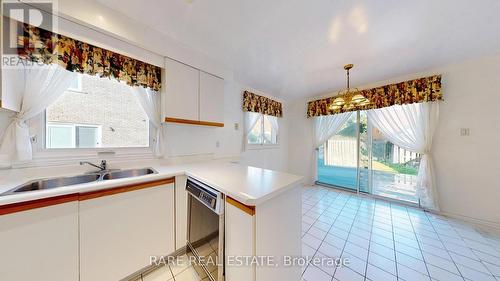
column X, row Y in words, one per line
column 483, row 225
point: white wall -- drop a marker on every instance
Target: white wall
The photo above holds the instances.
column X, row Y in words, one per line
column 300, row 141
column 184, row 140
column 466, row 167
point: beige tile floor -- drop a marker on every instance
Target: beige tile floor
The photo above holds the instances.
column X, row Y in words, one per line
column 175, row 272
column 388, row 241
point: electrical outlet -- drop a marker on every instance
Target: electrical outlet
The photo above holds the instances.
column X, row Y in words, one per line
column 236, row 126
column 217, row 144
column 464, row 132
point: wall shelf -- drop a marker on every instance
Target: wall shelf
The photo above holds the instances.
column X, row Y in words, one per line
column 193, row 122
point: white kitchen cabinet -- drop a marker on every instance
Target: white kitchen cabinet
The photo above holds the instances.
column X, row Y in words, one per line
column 40, row 244
column 211, row 98
column 119, row 232
column 239, row 242
column 181, row 94
column 270, row 229
column 181, row 198
column 191, row 96
column 277, row 233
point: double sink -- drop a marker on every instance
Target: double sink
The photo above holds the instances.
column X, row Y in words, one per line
column 43, row 184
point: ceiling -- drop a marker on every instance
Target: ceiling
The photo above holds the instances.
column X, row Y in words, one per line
column 297, row 48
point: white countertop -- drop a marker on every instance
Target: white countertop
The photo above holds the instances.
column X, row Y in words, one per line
column 249, row 185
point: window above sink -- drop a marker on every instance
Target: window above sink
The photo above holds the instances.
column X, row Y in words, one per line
column 92, row 116
column 96, row 112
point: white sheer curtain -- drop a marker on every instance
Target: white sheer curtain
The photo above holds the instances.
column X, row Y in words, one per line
column 274, row 123
column 324, row 128
column 151, row 103
column 327, row 126
column 412, row 126
column 251, row 119
column 44, row 84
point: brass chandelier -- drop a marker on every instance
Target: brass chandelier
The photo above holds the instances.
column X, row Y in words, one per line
column 348, row 99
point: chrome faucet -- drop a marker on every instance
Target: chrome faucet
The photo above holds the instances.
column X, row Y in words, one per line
column 102, row 167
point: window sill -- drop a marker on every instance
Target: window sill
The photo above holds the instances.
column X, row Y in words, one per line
column 262, row 147
column 70, row 156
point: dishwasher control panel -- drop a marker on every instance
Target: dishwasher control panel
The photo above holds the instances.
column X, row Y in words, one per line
column 202, row 193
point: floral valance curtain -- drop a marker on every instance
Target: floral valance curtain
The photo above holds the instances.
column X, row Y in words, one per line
column 43, row 46
column 261, row 104
column 424, row 89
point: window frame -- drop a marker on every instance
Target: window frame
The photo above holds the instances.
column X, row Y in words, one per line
column 79, row 88
column 42, row 154
column 262, row 144
column 74, row 133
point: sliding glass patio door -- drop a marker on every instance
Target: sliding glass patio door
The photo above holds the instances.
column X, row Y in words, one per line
column 361, row 159
column 394, row 169
column 343, row 159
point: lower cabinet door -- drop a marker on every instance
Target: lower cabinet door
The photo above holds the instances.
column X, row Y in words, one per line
column 181, row 198
column 40, row 244
column 119, row 233
column 240, row 237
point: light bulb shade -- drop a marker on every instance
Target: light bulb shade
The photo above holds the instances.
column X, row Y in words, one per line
column 334, row 107
column 365, row 102
column 339, row 101
column 349, row 106
column 358, row 98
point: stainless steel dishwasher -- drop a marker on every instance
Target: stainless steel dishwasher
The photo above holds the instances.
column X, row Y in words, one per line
column 205, row 233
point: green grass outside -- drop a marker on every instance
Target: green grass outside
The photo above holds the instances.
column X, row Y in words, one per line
column 401, row 168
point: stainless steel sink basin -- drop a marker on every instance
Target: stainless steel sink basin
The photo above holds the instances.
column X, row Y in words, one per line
column 43, row 184
column 128, row 173
column 53, row 183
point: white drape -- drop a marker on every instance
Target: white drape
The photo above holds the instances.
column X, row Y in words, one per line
column 151, row 103
column 251, row 119
column 44, row 84
column 274, row 123
column 412, row 126
column 324, row 128
column 327, row 126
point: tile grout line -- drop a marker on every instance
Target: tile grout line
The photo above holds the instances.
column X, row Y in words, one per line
column 394, row 243
column 331, row 226
column 317, row 249
column 432, row 226
column 418, row 243
column 469, row 248
column 349, row 233
column 439, row 237
column 370, row 240
column 367, row 262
